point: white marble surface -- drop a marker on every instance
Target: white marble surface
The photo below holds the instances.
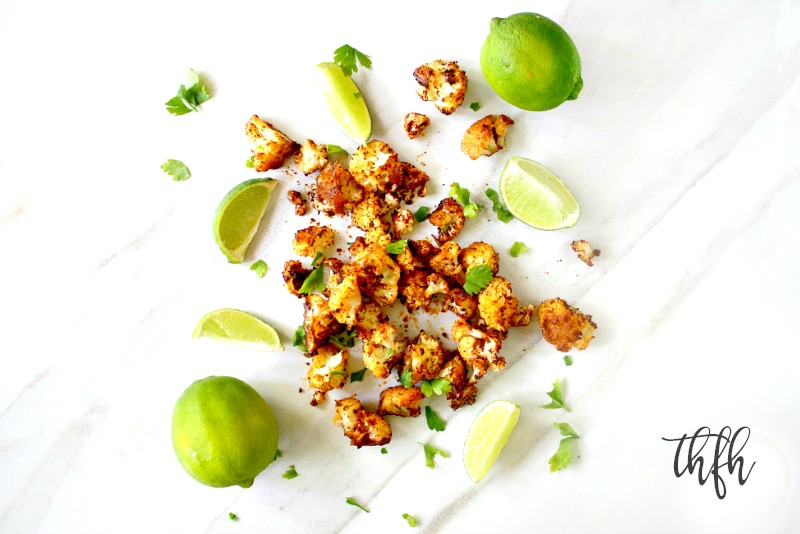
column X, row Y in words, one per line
column 682, row 150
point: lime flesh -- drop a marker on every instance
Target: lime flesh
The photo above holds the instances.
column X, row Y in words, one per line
column 345, row 102
column 536, row 196
column 487, row 436
column 239, row 326
column 239, row 214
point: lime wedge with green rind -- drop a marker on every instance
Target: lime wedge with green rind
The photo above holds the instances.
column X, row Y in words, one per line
column 487, row 436
column 345, row 102
column 239, row 214
column 241, row 327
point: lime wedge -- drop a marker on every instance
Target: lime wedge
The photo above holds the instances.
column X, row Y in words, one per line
column 536, row 196
column 345, row 102
column 239, row 326
column 487, row 436
column 238, row 216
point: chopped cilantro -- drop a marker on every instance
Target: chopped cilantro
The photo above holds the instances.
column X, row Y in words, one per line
column 384, row 451
column 189, row 96
column 502, row 213
column 477, row 278
column 567, row 360
column 299, row 340
column 315, row 279
column 232, row 516
column 406, row 379
column 348, row 58
column 397, row 247
column 421, row 214
column 250, row 162
column 555, row 394
column 462, row 196
column 430, row 453
column 358, row 376
column 260, row 268
column 475, row 106
column 335, row 150
column 351, row 501
column 517, row 248
column 177, row 169
column 434, row 421
column 437, row 386
column 563, row 456
column 278, row 454
column 345, row 339
column 411, row 520
column 290, row 473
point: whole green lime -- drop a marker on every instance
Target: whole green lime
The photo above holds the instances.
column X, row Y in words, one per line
column 223, row 432
column 531, row 62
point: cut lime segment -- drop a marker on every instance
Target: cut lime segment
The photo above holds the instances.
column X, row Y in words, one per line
column 345, row 102
column 487, row 436
column 241, row 327
column 536, row 196
column 238, row 216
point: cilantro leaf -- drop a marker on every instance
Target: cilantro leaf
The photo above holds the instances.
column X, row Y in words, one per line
column 232, row 516
column 177, row 169
column 335, row 149
column 348, row 58
column 563, row 456
column 189, row 96
column 351, row 501
column 430, row 453
column 502, row 213
column 555, row 394
column 315, row 279
column 434, row 421
column 290, row 473
column 345, row 339
column 384, row 451
column 406, row 379
column 249, row 162
column 299, row 340
column 475, row 106
column 462, row 197
column 437, row 386
column 278, row 454
column 358, row 376
column 411, row 520
column 567, row 360
column 517, row 248
column 397, row 247
column 567, row 430
column 260, row 267
column 477, row 278
column 421, row 214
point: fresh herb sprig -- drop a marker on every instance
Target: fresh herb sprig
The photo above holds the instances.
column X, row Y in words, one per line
column 189, row 96
column 348, row 58
column 563, row 456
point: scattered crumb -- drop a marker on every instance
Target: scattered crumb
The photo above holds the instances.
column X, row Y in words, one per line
column 299, row 202
column 585, row 251
column 415, row 123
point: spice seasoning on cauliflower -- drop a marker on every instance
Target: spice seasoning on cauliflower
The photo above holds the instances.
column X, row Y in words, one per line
column 442, row 82
column 565, row 327
column 485, row 136
column 310, row 157
column 585, row 251
column 270, row 147
column 364, row 428
column 415, row 123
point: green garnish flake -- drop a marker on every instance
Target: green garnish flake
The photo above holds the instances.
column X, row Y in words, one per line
column 384, row 451
column 406, row 379
column 430, row 453
column 177, row 169
column 557, row 398
column 517, row 248
column 315, row 279
column 434, row 421
column 497, row 206
column 260, row 268
column 348, row 58
column 477, row 278
column 299, row 339
column 462, row 197
column 358, row 376
column 421, row 214
column 290, row 473
column 475, row 106
column 335, row 149
column 232, row 516
column 437, row 386
column 344, row 340
column 351, row 501
column 397, row 247
column 567, row 360
column 278, row 454
column 250, row 162
column 563, row 456
column 189, row 96
column 411, row 520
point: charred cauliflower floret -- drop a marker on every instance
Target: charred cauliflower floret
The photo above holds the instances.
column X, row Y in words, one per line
column 497, row 304
column 368, row 317
column 377, row 236
column 455, row 371
column 318, row 322
column 400, row 401
column 294, row 274
column 310, row 157
column 523, row 316
column 408, row 261
column 486, row 136
column 375, row 167
column 449, row 218
column 424, row 357
column 412, row 288
column 436, row 284
column 402, row 222
column 442, row 82
column 584, row 251
column 462, row 303
column 335, row 190
column 327, row 371
column 479, row 348
column 364, row 428
column 423, row 249
column 383, row 349
column 296, row 198
column 312, row 240
column 344, row 298
column 378, row 275
column 368, row 214
column 479, row 253
column 413, row 182
column 458, row 398
column 565, row 327
column 415, row 123
column 446, row 261
column 269, row 146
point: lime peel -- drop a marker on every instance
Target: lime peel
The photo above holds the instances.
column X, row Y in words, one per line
column 487, row 436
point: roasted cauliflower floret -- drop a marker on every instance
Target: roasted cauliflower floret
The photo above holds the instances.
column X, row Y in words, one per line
column 584, row 251
column 565, row 327
column 523, row 316
column 446, row 261
column 327, row 371
column 462, row 303
column 458, row 398
column 408, row 261
column 294, row 274
column 318, row 322
column 312, row 240
column 436, row 284
column 368, row 214
column 415, row 123
column 497, row 304
column 377, row 236
column 335, row 190
column 400, row 401
column 364, row 428
column 480, row 349
column 368, row 317
column 344, row 298
column 423, row 249
column 296, row 198
column 442, row 82
column 375, row 167
column 449, row 218
column 455, row 371
column 424, row 358
column 311, row 157
column 413, row 183
column 378, row 275
column 383, row 350
column 486, row 136
column 402, row 222
column 412, row 288
column 269, row 146
column 479, row 253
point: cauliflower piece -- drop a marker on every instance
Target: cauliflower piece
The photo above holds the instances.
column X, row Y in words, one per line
column 375, row 167
column 486, row 136
column 585, row 251
column 480, row 253
column 377, row 236
column 383, row 350
column 565, row 327
column 449, row 218
column 412, row 288
column 424, row 357
column 269, row 146
column 335, row 191
column 442, row 82
column 413, row 182
column 368, row 213
column 378, row 275
column 435, row 284
column 294, row 274
column 415, row 123
column 310, row 157
column 446, row 261
column 400, row 401
column 344, row 298
column 455, row 371
column 458, row 398
column 497, row 304
column 368, row 317
column 523, row 316
column 480, row 349
column 318, row 322
column 327, row 371
column 423, row 249
column 402, row 222
column 312, row 240
column 408, row 261
column 361, row 426
column 462, row 303
column 296, row 198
